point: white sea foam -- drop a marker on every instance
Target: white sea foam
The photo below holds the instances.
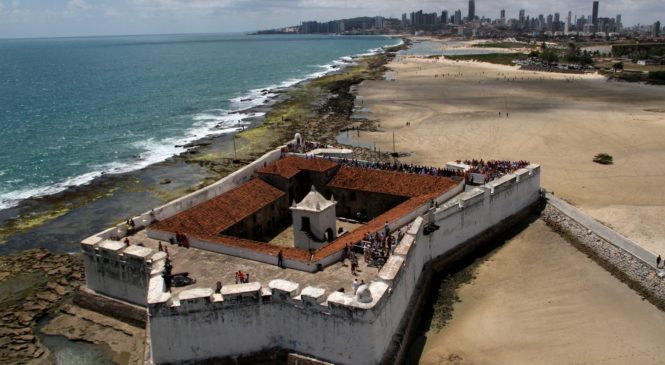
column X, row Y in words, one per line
column 208, row 123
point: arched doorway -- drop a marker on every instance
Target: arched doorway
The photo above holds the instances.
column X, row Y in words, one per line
column 329, row 235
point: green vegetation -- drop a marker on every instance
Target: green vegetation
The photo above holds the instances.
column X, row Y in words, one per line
column 603, row 159
column 31, row 218
column 657, row 76
column 304, row 105
column 630, row 67
column 26, row 222
column 652, row 77
column 574, row 55
column 550, row 56
column 618, row 66
column 638, row 51
column 496, row 58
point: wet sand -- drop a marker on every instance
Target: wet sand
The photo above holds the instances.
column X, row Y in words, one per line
column 458, row 110
column 538, row 300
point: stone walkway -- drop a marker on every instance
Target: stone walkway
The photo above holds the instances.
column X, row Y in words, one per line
column 603, row 231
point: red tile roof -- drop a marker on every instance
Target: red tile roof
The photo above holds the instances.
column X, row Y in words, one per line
column 290, row 166
column 207, row 220
column 388, row 182
column 222, row 212
column 259, row 247
column 336, row 246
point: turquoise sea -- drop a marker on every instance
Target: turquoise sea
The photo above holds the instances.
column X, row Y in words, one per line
column 72, row 109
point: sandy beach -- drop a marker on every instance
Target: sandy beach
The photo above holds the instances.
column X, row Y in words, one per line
column 538, row 300
column 464, row 110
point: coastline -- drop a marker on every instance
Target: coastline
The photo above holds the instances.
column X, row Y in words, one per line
column 202, row 162
column 62, row 220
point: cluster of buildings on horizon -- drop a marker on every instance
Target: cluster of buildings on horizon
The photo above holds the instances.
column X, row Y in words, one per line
column 455, row 23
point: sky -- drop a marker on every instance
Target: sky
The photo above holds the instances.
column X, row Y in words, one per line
column 61, row 18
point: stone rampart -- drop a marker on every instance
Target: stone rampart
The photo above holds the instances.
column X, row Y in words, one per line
column 120, row 271
column 336, row 327
column 174, row 207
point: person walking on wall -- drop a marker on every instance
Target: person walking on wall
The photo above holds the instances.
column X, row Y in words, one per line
column 658, row 260
column 355, row 285
column 280, row 259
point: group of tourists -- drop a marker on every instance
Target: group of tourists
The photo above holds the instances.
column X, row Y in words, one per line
column 242, row 277
column 493, row 169
column 347, row 253
column 162, row 248
column 131, row 225
column 357, row 284
column 403, row 167
column 378, row 247
column 181, row 239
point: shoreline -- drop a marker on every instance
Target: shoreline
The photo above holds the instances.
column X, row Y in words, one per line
column 257, row 102
column 204, row 161
column 92, row 207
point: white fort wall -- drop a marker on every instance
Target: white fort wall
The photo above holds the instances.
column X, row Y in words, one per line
column 335, row 327
column 179, row 205
column 120, row 271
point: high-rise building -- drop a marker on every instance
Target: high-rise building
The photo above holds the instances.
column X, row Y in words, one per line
column 522, row 17
column 378, row 22
column 557, row 22
column 309, row 27
column 444, row 17
column 656, row 29
column 618, row 23
column 458, row 17
column 405, row 21
column 503, row 16
column 594, row 16
column 566, row 29
column 472, row 10
column 542, row 23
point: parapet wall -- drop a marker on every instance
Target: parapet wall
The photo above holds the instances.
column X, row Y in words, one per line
column 336, row 327
column 121, row 271
column 179, row 205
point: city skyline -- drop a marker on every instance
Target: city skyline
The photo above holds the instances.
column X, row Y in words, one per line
column 41, row 18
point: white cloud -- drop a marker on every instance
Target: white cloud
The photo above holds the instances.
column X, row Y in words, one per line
column 78, row 5
column 110, row 12
column 11, row 11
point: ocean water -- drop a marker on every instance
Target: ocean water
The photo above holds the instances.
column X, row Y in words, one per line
column 72, row 109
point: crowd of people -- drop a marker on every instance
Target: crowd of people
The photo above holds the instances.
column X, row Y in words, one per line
column 376, row 248
column 493, row 169
column 403, row 167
